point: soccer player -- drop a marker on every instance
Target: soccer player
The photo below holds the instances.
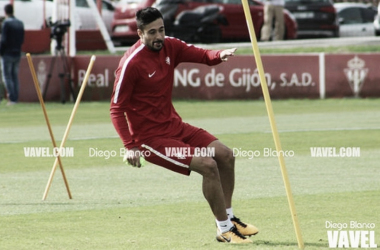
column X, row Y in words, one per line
column 146, row 121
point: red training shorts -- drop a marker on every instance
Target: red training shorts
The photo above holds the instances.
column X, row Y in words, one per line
column 176, row 152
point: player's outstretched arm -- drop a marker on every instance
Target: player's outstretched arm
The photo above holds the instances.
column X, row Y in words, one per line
column 227, row 53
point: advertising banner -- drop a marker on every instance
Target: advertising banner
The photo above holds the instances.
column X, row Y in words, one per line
column 352, row 75
column 102, row 76
column 287, row 76
column 52, row 78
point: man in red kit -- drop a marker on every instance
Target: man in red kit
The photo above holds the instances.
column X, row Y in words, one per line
column 145, row 119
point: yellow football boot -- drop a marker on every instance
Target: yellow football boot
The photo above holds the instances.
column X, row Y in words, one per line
column 243, row 228
column 233, row 236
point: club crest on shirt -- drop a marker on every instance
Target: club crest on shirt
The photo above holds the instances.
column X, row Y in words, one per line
column 167, row 60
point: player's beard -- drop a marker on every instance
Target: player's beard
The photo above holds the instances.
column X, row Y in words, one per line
column 157, row 45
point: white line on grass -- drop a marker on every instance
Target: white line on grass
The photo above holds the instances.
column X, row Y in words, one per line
column 216, row 133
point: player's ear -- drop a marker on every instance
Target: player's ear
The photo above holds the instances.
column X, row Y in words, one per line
column 140, row 33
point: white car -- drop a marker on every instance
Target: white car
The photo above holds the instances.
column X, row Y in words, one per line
column 356, row 19
column 376, row 23
column 31, row 12
column 87, row 19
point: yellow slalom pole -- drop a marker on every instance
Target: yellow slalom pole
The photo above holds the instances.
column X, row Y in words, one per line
column 65, row 135
column 276, row 137
column 37, row 87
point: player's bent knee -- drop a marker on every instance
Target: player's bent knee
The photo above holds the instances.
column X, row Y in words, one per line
column 205, row 166
column 223, row 153
column 229, row 155
column 226, row 156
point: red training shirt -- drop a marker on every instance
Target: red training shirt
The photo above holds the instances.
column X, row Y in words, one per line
column 141, row 104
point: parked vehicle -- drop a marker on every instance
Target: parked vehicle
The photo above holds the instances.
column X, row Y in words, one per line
column 83, row 14
column 356, row 19
column 23, row 10
column 315, row 18
column 87, row 18
column 124, row 18
column 225, row 20
column 197, row 25
column 376, row 24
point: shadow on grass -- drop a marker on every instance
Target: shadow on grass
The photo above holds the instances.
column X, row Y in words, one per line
column 48, row 203
column 289, row 244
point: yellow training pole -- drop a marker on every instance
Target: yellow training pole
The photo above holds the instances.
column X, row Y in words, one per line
column 276, row 137
column 65, row 135
column 37, row 86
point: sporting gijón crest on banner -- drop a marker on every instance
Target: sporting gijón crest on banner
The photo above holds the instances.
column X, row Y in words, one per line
column 356, row 73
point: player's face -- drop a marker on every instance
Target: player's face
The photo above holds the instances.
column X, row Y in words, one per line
column 153, row 35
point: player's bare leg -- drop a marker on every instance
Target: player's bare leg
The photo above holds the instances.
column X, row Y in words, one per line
column 211, row 185
column 226, row 166
column 213, row 192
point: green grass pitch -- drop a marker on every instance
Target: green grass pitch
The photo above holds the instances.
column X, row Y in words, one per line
column 115, row 206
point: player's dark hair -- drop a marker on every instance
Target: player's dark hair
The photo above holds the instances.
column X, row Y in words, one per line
column 8, row 9
column 146, row 16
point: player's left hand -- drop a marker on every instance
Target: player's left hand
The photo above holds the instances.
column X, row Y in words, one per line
column 226, row 53
column 132, row 157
